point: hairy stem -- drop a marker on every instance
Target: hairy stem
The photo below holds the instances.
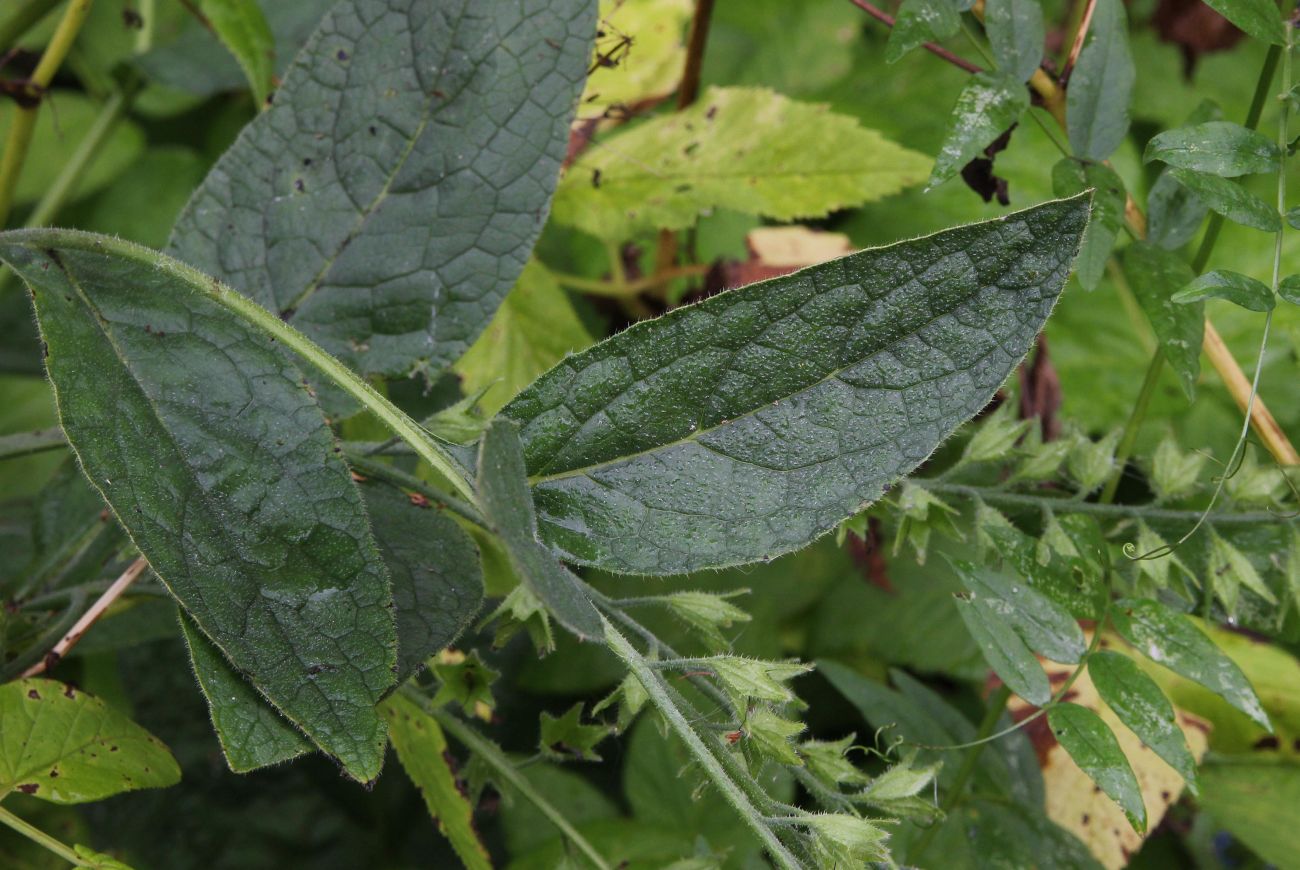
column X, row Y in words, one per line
column 492, row 755
column 36, row 835
column 24, row 118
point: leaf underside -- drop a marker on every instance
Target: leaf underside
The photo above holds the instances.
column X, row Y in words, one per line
column 749, row 424
column 391, row 195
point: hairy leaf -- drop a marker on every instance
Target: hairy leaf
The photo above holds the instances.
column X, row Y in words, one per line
column 422, row 750
column 1047, row 627
column 1168, row 638
column 1071, row 176
column 1101, row 86
column 986, row 108
column 533, row 329
column 201, row 435
column 1233, row 287
column 508, row 505
column 240, row 25
column 1008, row 655
column 389, row 198
column 252, row 734
column 1142, row 706
column 751, row 423
column 1016, row 33
column 1259, row 18
column 67, row 747
column 1229, row 199
column 1217, row 147
column 1155, row 274
column 1093, row 747
column 744, row 149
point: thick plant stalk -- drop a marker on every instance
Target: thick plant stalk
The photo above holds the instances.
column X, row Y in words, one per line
column 24, row 120
column 69, row 640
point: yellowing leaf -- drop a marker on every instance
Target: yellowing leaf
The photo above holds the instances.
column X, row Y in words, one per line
column 532, row 330
column 639, row 57
column 746, row 149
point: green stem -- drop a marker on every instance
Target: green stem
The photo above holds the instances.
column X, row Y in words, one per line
column 425, row 446
column 997, row 703
column 36, row 835
column 492, row 755
column 24, row 117
column 1134, row 424
column 375, row 468
column 148, row 11
column 30, row 443
column 730, row 791
column 22, row 20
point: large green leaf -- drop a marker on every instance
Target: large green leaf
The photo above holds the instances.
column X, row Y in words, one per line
column 1142, row 706
column 751, row 423
column 1084, row 735
column 1101, row 86
column 1259, row 18
column 1155, row 275
column 389, row 198
column 1016, row 33
column 422, row 749
column 1168, row 638
column 1217, row 147
column 1229, row 199
column 242, row 28
column 744, row 149
column 1007, row 654
column 508, row 505
column 1047, row 627
column 64, row 746
column 202, row 437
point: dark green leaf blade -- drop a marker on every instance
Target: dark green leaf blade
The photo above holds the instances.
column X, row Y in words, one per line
column 1047, row 627
column 67, row 747
column 1070, row 177
column 1084, row 735
column 1217, row 147
column 986, row 107
column 503, row 492
column 390, row 197
column 1101, row 86
column 1289, row 289
column 1250, row 293
column 1016, row 33
column 1259, row 18
column 1229, row 199
column 202, row 437
column 921, row 21
column 242, row 28
column 1169, row 638
column 1174, row 213
column 251, row 733
column 1155, row 274
column 1142, row 706
column 751, row 423
column 1005, row 652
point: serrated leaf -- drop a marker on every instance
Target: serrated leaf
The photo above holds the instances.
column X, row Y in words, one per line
column 750, row 679
column 251, row 733
column 903, row 779
column 565, row 738
column 846, row 841
column 1142, row 706
column 625, row 75
column 828, row 760
column 685, row 442
column 422, row 750
column 770, row 735
column 1174, row 473
column 1071, row 176
column 1174, row 213
column 1259, row 18
column 1229, row 199
column 918, row 22
column 1154, row 274
column 201, row 435
column 508, row 506
column 391, row 195
column 1228, row 571
column 1005, row 652
column 535, row 327
column 1093, row 747
column 745, row 149
column 1068, row 578
column 1233, row 287
column 1168, row 638
column 1016, row 33
column 987, row 106
column 1217, row 147
column 1101, row 87
column 242, row 28
column 64, row 746
column 1090, row 462
column 1045, row 626
column 466, row 680
column 994, row 439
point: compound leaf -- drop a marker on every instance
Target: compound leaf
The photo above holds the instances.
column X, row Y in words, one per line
column 390, row 197
column 1047, row 627
column 1008, row 655
column 1101, row 87
column 1094, row 748
column 64, row 746
column 746, row 149
column 1217, row 147
column 1229, row 199
column 749, row 424
column 201, row 435
column 985, row 109
column 1155, row 274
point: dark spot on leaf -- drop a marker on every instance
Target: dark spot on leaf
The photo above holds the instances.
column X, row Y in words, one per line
column 713, row 110
column 1086, row 819
column 33, row 694
column 373, row 130
column 299, row 186
column 69, row 691
column 1268, row 741
column 595, row 178
column 132, row 20
column 306, row 161
column 342, row 55
column 54, row 773
column 29, row 788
